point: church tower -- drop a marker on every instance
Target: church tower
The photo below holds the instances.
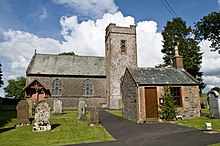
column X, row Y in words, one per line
column 120, row 52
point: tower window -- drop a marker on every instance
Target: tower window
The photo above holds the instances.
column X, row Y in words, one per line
column 123, row 46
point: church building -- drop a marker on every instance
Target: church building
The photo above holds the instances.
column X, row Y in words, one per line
column 96, row 80
column 114, row 81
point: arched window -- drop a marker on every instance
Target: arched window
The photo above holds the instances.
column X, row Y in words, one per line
column 87, row 88
column 57, row 87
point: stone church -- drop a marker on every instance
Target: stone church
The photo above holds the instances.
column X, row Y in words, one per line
column 114, row 81
column 93, row 79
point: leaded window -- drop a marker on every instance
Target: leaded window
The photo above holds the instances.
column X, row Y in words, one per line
column 57, row 87
column 88, row 87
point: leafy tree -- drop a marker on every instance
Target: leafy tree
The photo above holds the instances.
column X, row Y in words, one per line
column 1, row 79
column 15, row 88
column 208, row 28
column 68, row 53
column 177, row 33
column 168, row 107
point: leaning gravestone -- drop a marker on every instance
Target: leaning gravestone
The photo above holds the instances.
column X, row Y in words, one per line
column 42, row 117
column 94, row 116
column 57, row 107
column 82, row 111
column 22, row 113
column 214, row 103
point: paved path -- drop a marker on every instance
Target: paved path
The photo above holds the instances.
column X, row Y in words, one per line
column 127, row 133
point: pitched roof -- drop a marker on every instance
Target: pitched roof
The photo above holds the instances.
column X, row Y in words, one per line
column 35, row 80
column 162, row 76
column 50, row 64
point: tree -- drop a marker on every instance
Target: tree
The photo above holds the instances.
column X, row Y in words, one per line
column 177, row 33
column 1, row 75
column 15, row 88
column 168, row 107
column 208, row 28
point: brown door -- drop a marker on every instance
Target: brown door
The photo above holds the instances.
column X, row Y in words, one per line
column 151, row 103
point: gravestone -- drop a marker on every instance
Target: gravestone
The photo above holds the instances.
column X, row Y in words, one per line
column 82, row 111
column 42, row 117
column 214, row 103
column 29, row 100
column 22, row 113
column 57, row 107
column 94, row 116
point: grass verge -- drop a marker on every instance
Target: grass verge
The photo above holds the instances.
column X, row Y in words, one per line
column 199, row 123
column 66, row 129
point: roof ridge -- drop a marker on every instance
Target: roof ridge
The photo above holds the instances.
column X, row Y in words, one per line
column 71, row 55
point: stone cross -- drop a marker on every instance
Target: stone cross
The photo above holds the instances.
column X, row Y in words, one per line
column 82, row 111
column 57, row 107
column 42, row 117
column 94, row 116
column 22, row 113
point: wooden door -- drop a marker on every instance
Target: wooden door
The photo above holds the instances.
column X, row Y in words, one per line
column 151, row 103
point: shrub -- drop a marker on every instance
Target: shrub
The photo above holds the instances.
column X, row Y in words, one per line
column 168, row 107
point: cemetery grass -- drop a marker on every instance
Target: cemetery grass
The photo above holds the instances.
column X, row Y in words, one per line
column 199, row 123
column 115, row 112
column 66, row 129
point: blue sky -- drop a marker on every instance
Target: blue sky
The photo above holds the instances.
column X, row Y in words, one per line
column 53, row 26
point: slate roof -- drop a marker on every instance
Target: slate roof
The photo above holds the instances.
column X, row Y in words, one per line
column 50, row 64
column 162, row 76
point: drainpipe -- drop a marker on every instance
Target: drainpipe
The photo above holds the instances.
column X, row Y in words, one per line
column 139, row 103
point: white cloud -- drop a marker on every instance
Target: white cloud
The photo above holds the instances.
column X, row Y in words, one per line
column 88, row 38
column 210, row 66
column 92, row 8
column 84, row 38
column 212, row 79
column 210, row 61
column 18, row 48
column 149, row 44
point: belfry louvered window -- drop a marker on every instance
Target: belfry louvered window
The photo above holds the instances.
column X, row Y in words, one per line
column 88, row 87
column 57, row 87
column 123, row 46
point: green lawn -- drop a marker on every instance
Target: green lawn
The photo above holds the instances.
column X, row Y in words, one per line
column 115, row 112
column 66, row 129
column 199, row 123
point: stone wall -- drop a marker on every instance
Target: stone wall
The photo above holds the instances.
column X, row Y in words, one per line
column 73, row 86
column 116, row 61
column 129, row 95
column 73, row 90
column 72, row 102
column 190, row 101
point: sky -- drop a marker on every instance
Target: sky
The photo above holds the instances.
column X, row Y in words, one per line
column 54, row 26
